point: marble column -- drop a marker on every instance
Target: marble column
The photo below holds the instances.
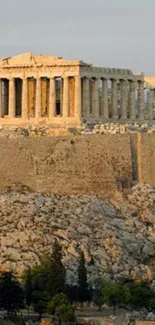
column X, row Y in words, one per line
column 25, row 98
column 12, row 108
column 132, row 108
column 38, row 99
column 65, row 111
column 52, row 99
column 123, row 99
column 78, row 98
column 1, row 113
column 141, row 100
column 114, row 102
column 104, row 99
column 150, row 105
column 95, row 99
column 86, row 97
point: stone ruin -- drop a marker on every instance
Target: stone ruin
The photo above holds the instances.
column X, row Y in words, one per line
column 51, row 90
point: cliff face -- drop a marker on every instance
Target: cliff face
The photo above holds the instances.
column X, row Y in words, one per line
column 116, row 238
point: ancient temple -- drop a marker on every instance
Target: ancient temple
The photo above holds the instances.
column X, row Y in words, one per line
column 38, row 88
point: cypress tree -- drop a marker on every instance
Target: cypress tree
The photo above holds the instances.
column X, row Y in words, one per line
column 57, row 272
column 28, row 288
column 82, row 280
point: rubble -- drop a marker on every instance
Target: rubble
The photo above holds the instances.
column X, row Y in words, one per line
column 86, row 129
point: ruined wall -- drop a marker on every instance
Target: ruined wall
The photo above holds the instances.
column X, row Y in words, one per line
column 95, row 164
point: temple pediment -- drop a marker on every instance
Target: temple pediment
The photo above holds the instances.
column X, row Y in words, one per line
column 28, row 59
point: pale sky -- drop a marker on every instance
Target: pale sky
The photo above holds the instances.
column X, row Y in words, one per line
column 108, row 33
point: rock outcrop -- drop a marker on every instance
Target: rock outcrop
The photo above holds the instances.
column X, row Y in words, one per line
column 116, row 237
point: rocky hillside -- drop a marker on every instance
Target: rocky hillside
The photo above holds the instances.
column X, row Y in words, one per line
column 118, row 238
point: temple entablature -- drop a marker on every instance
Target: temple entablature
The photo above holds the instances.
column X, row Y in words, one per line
column 149, row 82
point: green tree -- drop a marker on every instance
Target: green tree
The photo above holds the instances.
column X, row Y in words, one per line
column 57, row 272
column 141, row 295
column 83, row 294
column 40, row 301
column 115, row 294
column 37, row 286
column 99, row 301
column 56, row 301
column 28, row 287
column 98, row 285
column 49, row 275
column 41, row 274
column 59, row 306
column 45, row 280
column 21, row 320
column 65, row 313
column 71, row 292
column 11, row 293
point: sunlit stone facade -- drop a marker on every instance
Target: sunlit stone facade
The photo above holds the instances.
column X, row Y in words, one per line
column 45, row 89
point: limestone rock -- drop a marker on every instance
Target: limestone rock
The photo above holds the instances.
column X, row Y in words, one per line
column 150, row 316
column 46, row 322
column 117, row 238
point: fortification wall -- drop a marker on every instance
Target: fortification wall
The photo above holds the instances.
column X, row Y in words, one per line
column 95, row 164
column 146, row 158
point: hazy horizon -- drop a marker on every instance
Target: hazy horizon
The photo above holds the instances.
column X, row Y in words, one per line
column 102, row 32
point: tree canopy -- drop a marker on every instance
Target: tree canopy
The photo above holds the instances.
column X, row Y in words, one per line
column 57, row 272
column 82, row 280
column 28, row 287
column 59, row 306
column 11, row 293
column 115, row 294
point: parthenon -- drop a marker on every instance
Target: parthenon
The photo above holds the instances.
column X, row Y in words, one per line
column 38, row 88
